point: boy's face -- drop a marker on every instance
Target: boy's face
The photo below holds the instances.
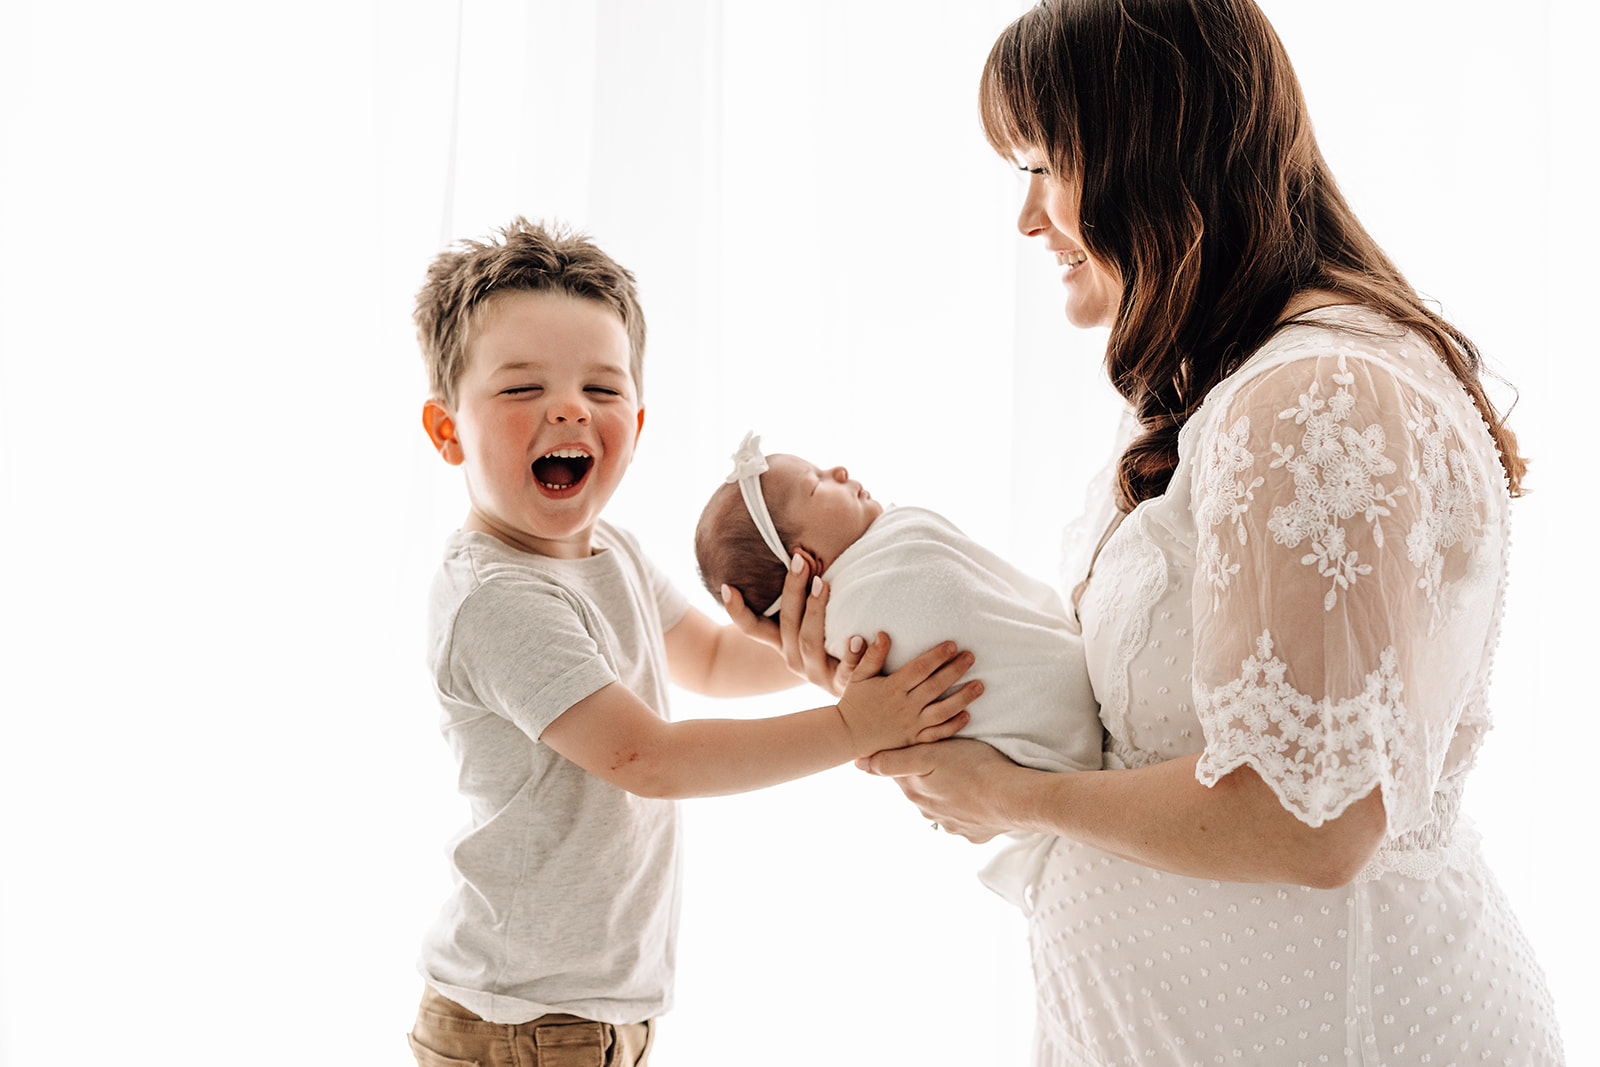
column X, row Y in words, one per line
column 545, row 422
column 823, row 510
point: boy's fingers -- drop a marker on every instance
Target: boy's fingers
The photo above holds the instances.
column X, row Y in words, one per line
column 946, row 676
column 939, row 731
column 922, row 668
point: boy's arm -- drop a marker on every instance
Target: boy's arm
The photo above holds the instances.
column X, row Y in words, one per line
column 720, row 661
column 616, row 736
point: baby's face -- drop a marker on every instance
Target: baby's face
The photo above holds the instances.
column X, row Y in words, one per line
column 822, row 510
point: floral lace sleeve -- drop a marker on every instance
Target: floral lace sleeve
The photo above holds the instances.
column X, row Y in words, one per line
column 1350, row 515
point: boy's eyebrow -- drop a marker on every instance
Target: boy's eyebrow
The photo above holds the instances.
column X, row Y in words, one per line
column 524, row 364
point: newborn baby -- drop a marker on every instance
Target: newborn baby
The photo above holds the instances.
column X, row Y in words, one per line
column 910, row 573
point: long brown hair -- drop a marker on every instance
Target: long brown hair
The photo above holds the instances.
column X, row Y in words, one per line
column 1202, row 184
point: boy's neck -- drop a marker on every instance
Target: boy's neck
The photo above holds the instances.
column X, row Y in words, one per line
column 579, row 547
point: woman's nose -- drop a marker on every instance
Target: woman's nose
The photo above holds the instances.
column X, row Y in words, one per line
column 1031, row 221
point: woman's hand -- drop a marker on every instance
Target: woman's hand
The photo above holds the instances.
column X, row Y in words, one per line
column 955, row 783
column 798, row 631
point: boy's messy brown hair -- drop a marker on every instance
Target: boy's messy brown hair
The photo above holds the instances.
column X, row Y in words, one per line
column 522, row 256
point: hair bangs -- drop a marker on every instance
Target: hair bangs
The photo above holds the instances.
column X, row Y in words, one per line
column 1020, row 110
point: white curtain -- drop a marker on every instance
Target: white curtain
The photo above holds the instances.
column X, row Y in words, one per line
column 222, row 795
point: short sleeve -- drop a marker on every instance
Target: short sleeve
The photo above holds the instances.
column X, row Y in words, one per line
column 1349, row 510
column 670, row 603
column 526, row 650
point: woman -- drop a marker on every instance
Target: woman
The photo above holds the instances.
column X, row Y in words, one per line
column 1292, row 599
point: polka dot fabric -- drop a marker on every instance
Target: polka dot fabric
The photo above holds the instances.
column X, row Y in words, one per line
column 1137, row 968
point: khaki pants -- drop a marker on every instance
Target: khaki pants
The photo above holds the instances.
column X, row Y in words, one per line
column 448, row 1035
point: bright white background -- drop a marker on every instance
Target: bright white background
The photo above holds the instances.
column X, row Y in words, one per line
column 222, row 795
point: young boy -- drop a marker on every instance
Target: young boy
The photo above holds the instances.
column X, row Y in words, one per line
column 551, row 641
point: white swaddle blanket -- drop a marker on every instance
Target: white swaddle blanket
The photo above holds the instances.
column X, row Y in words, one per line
column 919, row 579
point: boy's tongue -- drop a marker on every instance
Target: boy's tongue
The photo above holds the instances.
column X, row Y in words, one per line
column 553, row 470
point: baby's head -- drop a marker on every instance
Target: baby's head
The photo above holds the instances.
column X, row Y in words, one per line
column 815, row 512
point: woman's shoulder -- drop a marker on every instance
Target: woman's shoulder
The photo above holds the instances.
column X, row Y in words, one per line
column 1327, row 350
column 1344, row 364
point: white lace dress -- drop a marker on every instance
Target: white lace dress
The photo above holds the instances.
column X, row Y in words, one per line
column 1316, row 596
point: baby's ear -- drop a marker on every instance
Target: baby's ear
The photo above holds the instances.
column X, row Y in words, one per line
column 814, row 562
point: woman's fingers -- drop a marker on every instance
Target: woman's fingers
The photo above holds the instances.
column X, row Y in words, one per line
column 899, row 762
column 820, row 667
column 802, row 619
column 793, row 601
column 846, row 667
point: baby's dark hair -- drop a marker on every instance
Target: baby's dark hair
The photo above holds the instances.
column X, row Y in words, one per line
column 730, row 551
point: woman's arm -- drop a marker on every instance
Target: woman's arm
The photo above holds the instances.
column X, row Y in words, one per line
column 1158, row 816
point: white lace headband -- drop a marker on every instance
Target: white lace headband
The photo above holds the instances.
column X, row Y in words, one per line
column 748, row 463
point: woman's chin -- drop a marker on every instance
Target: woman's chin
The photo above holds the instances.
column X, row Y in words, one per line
column 1090, row 317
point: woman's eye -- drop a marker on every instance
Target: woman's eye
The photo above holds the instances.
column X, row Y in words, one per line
column 1041, row 171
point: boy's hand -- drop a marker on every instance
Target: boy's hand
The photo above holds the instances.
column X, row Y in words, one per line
column 905, row 708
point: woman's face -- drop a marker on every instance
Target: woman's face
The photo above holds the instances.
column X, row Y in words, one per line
column 1094, row 289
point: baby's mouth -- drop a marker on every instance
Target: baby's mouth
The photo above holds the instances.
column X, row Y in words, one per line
column 563, row 468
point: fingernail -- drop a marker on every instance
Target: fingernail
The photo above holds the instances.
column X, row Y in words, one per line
column 857, row 643
column 798, row 563
column 727, row 595
column 816, row 587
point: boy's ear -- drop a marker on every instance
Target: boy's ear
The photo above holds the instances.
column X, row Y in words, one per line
column 639, row 429
column 441, row 427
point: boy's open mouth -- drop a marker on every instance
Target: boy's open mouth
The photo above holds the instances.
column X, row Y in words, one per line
column 563, row 468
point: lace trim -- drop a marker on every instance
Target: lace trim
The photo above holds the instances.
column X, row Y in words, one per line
column 1457, row 852
column 1318, row 756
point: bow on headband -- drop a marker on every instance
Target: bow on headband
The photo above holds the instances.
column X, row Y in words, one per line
column 748, row 463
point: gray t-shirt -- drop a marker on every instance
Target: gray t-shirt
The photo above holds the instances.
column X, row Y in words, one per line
column 566, row 887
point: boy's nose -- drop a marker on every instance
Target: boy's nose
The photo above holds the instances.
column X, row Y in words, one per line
column 839, row 474
column 569, row 409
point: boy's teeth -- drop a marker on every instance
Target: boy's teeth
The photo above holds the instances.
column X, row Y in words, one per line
column 566, row 453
